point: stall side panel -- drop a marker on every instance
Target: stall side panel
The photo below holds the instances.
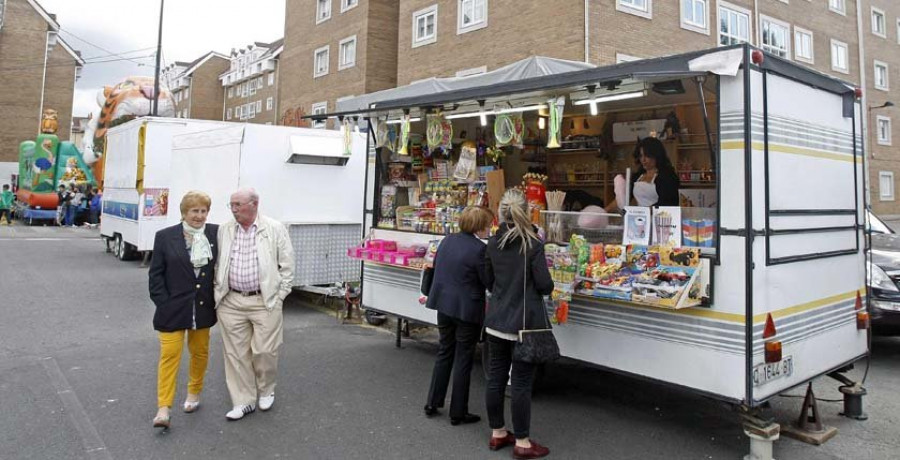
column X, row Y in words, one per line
column 810, row 264
column 395, row 290
column 207, row 161
column 120, row 198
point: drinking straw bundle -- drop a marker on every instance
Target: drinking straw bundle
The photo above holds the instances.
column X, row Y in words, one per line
column 555, row 201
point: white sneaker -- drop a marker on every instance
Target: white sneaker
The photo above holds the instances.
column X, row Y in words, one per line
column 266, row 402
column 238, row 412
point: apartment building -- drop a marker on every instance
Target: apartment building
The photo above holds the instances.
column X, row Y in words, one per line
column 334, row 49
column 880, row 32
column 251, row 84
column 197, row 91
column 168, row 75
column 38, row 70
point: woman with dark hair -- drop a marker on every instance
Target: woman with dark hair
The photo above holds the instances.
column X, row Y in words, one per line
column 517, row 276
column 655, row 182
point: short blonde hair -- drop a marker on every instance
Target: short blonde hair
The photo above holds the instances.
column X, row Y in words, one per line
column 475, row 218
column 194, row 199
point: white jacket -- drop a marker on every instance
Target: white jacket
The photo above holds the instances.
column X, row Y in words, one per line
column 275, row 255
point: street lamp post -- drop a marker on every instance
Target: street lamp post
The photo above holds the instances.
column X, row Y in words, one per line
column 155, row 111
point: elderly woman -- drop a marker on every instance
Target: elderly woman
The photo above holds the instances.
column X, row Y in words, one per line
column 458, row 295
column 181, row 286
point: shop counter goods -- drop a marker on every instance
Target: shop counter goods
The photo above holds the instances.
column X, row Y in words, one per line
column 660, row 276
column 390, row 253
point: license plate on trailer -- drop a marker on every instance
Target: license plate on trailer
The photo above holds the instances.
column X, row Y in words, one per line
column 767, row 372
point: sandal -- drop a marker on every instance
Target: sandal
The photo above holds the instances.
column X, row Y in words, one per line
column 191, row 406
column 163, row 422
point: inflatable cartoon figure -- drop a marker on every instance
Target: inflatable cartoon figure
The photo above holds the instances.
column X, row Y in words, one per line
column 50, row 122
column 133, row 97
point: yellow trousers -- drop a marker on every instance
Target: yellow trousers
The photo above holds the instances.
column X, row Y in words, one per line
column 171, row 345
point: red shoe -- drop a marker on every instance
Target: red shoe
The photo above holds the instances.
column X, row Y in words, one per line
column 499, row 443
column 535, row 451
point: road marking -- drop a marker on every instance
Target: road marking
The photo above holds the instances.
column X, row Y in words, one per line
column 90, row 439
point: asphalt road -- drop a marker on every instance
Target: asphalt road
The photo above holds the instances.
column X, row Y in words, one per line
column 78, row 368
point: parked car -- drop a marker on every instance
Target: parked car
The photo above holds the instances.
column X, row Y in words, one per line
column 884, row 277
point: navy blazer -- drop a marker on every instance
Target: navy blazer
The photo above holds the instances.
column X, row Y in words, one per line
column 458, row 289
column 183, row 300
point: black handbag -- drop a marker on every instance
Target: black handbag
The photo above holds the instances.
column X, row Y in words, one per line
column 427, row 280
column 535, row 346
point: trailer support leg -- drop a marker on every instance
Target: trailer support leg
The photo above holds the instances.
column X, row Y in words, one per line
column 399, row 330
column 853, row 395
column 853, row 401
column 145, row 259
column 809, row 427
column 763, row 433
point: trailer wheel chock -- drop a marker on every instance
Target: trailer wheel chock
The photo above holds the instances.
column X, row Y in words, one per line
column 809, row 427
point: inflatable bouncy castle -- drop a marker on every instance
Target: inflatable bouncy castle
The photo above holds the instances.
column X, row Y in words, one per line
column 44, row 164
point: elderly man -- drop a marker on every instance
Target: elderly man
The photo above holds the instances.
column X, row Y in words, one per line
column 254, row 274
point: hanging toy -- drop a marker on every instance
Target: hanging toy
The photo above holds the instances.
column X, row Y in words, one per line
column 404, row 135
column 556, row 114
column 348, row 137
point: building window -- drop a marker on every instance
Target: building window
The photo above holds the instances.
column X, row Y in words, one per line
column 879, row 23
column 251, row 113
column 472, row 15
column 881, row 74
column 347, row 57
column 271, row 78
column 259, row 106
column 734, row 25
column 695, row 16
column 425, row 26
column 230, row 92
column 883, row 126
column 838, row 6
column 348, row 5
column 259, row 83
column 776, row 36
column 886, row 185
column 323, row 11
column 321, row 62
column 642, row 8
column 840, row 60
column 269, row 102
column 319, row 108
column 803, row 45
column 228, row 114
column 252, row 87
column 187, row 113
column 178, row 114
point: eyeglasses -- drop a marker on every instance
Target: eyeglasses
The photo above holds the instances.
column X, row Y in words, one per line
column 236, row 205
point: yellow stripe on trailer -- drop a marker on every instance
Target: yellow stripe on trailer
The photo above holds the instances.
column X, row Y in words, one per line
column 791, row 150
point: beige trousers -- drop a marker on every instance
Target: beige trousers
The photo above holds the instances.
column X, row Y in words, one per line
column 251, row 335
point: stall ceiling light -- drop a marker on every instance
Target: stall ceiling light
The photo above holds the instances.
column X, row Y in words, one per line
column 397, row 122
column 527, row 108
column 611, row 97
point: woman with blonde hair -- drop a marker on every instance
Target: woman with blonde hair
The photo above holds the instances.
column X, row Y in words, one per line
column 518, row 278
column 458, row 294
column 181, row 287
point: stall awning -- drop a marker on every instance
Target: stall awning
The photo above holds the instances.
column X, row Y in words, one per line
column 542, row 76
column 532, row 67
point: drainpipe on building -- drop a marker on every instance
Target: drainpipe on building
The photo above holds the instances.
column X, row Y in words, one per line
column 756, row 20
column 224, row 100
column 277, row 87
column 865, row 101
column 191, row 98
column 587, row 32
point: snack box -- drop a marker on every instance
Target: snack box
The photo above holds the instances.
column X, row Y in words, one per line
column 355, row 253
column 382, row 245
column 399, row 258
column 383, row 256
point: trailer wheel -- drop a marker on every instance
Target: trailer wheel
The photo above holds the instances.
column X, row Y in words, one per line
column 118, row 247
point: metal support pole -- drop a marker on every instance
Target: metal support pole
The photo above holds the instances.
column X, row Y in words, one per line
column 399, row 330
column 155, row 111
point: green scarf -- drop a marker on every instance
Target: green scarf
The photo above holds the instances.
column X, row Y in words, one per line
column 201, row 253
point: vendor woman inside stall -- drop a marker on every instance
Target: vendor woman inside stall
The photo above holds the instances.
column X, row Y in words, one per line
column 655, row 183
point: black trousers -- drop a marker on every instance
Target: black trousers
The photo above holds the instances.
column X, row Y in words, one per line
column 500, row 352
column 456, row 353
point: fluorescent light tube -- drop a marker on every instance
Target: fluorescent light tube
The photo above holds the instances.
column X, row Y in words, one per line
column 611, row 97
column 397, row 122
